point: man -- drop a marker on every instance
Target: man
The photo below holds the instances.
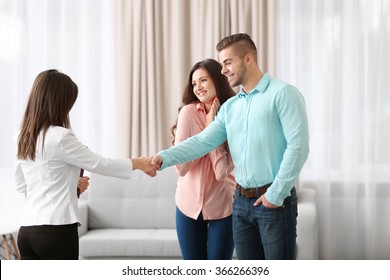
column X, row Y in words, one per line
column 266, row 127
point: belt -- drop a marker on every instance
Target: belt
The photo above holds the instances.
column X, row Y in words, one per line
column 253, row 192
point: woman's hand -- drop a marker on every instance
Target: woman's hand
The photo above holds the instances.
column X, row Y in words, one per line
column 213, row 111
column 83, row 184
column 145, row 165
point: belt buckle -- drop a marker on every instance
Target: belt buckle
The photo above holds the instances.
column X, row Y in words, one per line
column 248, row 193
column 253, row 192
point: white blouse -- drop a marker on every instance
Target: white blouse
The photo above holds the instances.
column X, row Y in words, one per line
column 50, row 181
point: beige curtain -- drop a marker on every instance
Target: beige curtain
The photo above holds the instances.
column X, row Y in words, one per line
column 338, row 56
column 157, row 42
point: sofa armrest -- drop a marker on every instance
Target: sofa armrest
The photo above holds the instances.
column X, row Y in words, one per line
column 83, row 214
column 307, row 228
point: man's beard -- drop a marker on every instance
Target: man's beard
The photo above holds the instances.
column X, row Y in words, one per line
column 239, row 76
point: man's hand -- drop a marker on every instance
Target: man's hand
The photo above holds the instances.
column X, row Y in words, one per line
column 265, row 202
column 156, row 160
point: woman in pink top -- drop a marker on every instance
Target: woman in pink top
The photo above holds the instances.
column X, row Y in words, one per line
column 205, row 187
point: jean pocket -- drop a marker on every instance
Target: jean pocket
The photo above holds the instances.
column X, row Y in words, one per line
column 271, row 208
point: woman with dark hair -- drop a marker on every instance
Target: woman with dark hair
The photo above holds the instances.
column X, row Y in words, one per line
column 50, row 158
column 205, row 187
column 267, row 129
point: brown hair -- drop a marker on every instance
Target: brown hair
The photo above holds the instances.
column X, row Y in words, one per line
column 242, row 42
column 222, row 87
column 52, row 97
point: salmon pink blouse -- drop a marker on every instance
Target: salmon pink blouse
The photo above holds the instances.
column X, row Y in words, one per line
column 205, row 185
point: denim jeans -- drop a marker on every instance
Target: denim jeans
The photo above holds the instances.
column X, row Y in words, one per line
column 264, row 233
column 204, row 239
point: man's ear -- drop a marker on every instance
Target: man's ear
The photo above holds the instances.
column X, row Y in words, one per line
column 249, row 59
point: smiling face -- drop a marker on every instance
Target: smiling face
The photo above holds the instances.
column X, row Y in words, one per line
column 203, row 87
column 233, row 66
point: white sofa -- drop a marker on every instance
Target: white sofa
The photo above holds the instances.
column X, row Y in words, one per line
column 135, row 219
column 307, row 228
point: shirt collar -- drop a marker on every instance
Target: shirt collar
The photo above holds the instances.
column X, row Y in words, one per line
column 200, row 106
column 260, row 87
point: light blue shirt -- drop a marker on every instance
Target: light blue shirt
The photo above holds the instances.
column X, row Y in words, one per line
column 268, row 136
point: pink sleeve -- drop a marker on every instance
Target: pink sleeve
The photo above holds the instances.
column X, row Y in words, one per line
column 221, row 161
column 185, row 129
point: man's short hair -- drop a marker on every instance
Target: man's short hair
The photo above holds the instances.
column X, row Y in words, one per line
column 242, row 42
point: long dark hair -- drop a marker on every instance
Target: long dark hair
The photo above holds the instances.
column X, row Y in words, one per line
column 222, row 87
column 52, row 97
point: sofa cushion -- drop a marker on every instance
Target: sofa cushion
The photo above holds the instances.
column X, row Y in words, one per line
column 133, row 243
column 141, row 202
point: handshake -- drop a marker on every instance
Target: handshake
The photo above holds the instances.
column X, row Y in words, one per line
column 148, row 165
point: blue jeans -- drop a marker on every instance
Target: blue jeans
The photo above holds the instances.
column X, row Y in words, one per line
column 204, row 239
column 263, row 233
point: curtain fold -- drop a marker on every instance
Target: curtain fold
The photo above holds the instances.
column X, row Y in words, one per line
column 334, row 52
column 130, row 60
column 75, row 37
column 157, row 44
